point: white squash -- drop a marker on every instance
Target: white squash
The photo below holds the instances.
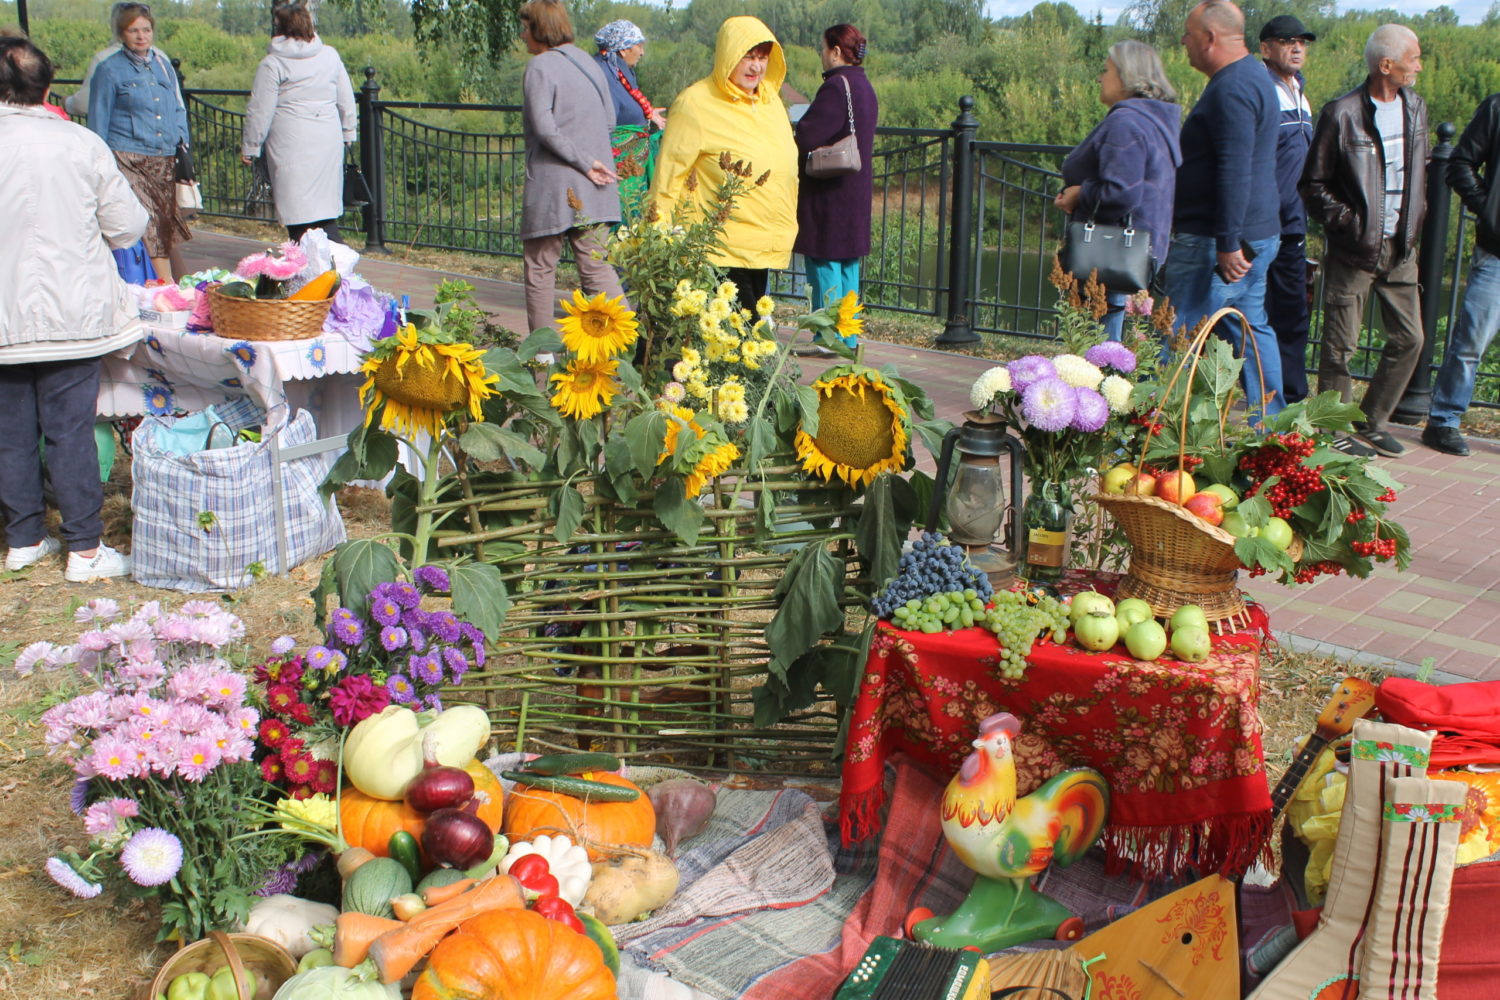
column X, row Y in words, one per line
column 287, row 920
column 567, row 862
column 384, row 752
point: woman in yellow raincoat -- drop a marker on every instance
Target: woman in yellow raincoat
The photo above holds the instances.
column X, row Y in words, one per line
column 736, row 109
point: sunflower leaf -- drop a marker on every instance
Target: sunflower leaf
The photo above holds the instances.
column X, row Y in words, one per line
column 631, row 380
column 569, row 504
column 358, row 566
column 619, row 466
column 678, row 514
column 543, row 340
column 479, row 596
column 807, row 403
column 878, row 533
column 760, row 441
column 808, row 605
column 646, row 433
column 488, row 443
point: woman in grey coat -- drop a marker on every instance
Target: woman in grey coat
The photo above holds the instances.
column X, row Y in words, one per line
column 301, row 116
column 570, row 180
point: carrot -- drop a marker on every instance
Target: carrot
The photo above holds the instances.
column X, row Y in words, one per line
column 435, row 894
column 353, row 934
column 398, row 950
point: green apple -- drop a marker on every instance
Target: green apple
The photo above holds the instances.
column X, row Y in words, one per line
column 1096, row 631
column 1188, row 616
column 1229, row 496
column 1146, row 640
column 1236, row 525
column 1191, row 645
column 1089, row 601
column 1132, row 610
column 1278, row 533
column 1114, row 480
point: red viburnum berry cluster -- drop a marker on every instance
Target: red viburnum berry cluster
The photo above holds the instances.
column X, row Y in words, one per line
column 1389, row 496
column 1190, row 463
column 1356, row 515
column 1282, row 456
column 1377, row 548
column 1306, row 574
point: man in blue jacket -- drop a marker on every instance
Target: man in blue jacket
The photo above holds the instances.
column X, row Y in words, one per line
column 1283, row 48
column 1227, row 209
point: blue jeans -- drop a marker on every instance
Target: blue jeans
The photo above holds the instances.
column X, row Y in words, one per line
column 831, row 280
column 1196, row 292
column 1114, row 320
column 1477, row 323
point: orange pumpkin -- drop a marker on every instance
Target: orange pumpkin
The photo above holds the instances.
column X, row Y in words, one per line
column 517, row 955
column 369, row 822
column 598, row 826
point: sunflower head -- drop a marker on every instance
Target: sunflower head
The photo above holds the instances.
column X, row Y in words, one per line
column 586, row 388
column 417, row 383
column 848, row 324
column 596, row 329
column 863, row 427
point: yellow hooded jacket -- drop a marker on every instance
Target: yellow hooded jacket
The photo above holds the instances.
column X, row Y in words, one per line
column 714, row 116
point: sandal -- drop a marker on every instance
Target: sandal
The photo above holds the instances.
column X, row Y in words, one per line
column 1353, row 446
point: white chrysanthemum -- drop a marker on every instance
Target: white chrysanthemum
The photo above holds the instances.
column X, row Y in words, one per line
column 989, row 385
column 673, row 392
column 1116, row 392
column 682, row 371
column 1077, row 372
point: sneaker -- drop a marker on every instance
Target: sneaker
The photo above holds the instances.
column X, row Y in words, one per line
column 813, row 351
column 1440, row 437
column 28, row 555
column 101, row 565
column 1353, row 446
column 1382, row 441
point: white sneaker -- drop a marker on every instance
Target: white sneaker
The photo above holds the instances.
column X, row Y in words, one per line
column 28, row 555
column 104, row 563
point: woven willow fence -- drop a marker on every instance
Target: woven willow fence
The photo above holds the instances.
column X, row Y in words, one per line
column 622, row 637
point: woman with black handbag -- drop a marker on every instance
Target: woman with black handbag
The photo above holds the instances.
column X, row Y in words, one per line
column 1126, row 169
column 833, row 212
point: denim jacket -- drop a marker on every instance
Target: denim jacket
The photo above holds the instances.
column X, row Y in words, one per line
column 136, row 108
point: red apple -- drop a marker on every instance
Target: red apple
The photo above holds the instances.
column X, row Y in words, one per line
column 1175, row 487
column 1143, row 485
column 1208, row 506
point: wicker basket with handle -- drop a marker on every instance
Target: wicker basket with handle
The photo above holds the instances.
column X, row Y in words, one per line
column 270, row 962
column 267, row 319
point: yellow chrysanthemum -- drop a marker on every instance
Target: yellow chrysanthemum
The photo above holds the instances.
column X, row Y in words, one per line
column 585, row 389
column 422, row 384
column 714, row 463
column 765, row 306
column 596, row 329
column 691, row 356
column 727, row 290
column 698, row 388
column 849, row 324
column 862, row 429
column 733, row 411
column 732, row 391
column 720, row 309
column 684, row 372
column 314, row 811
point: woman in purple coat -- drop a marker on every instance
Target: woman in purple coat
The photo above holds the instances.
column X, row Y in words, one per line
column 833, row 213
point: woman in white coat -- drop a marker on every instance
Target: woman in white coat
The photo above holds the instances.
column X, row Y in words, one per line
column 301, row 117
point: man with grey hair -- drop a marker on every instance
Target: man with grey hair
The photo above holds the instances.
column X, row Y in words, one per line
column 1365, row 180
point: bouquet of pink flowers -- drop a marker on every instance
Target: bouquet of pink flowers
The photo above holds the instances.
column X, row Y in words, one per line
column 162, row 752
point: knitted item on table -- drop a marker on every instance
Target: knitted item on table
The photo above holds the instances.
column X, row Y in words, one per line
column 1419, row 847
column 1326, row 965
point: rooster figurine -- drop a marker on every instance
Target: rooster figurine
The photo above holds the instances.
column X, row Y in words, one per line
column 1007, row 840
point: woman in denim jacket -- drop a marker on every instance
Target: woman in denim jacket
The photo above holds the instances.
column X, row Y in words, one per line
column 136, row 107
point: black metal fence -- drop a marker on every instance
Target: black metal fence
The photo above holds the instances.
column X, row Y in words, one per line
column 962, row 230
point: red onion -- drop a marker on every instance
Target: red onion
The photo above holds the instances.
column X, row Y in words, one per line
column 457, row 838
column 438, row 786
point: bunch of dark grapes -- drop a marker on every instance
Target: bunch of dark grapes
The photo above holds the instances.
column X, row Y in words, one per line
column 931, row 566
column 1282, row 456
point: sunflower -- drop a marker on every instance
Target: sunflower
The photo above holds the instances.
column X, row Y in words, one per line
column 585, row 389
column 1479, row 816
column 862, row 427
column 715, row 460
column 596, row 329
column 420, row 382
column 848, row 324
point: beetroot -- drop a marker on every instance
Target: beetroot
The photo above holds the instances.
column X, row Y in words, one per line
column 683, row 807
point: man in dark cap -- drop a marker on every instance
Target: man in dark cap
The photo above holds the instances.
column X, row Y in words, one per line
column 1283, row 48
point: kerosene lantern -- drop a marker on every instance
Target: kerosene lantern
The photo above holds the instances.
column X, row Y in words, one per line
column 976, row 505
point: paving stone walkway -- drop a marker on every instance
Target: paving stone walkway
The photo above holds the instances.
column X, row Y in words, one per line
column 1445, row 606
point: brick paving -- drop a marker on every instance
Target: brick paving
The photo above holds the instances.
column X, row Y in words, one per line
column 1443, row 607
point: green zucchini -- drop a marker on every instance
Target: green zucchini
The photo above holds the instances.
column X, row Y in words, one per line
column 403, row 847
column 572, row 763
column 579, row 788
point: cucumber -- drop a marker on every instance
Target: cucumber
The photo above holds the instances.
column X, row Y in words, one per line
column 403, row 847
column 578, row 788
column 572, row 763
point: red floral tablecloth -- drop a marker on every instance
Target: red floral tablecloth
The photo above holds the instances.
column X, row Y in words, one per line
column 1179, row 743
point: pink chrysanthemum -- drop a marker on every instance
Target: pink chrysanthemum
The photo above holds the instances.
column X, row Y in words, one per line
column 152, row 857
column 1024, row 372
column 197, row 757
column 1049, row 404
column 63, row 874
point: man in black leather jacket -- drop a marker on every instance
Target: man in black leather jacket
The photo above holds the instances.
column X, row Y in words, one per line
column 1477, row 150
column 1365, row 180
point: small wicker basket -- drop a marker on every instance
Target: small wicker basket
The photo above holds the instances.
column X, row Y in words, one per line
column 267, row 319
column 270, row 962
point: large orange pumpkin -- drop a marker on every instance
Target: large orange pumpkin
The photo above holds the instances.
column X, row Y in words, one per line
column 598, row 826
column 369, row 822
column 515, row 955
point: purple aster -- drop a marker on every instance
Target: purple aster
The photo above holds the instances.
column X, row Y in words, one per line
column 384, row 610
column 433, row 702
column 418, row 639
column 406, row 595
column 320, row 658
column 284, row 878
column 348, row 631
column 458, row 664
column 392, row 638
column 1028, row 370
column 152, row 857
column 400, row 688
column 1049, row 404
column 283, row 646
column 444, row 626
column 78, row 797
column 432, row 579
column 1112, row 354
column 426, row 669
column 1092, row 411
column 63, row 874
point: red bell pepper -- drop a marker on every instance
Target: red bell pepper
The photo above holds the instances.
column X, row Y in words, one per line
column 554, row 907
column 535, row 875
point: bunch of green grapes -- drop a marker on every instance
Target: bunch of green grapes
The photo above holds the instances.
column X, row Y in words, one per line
column 1017, row 618
column 950, row 609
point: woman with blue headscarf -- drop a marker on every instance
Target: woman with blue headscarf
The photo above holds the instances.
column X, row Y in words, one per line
column 621, row 45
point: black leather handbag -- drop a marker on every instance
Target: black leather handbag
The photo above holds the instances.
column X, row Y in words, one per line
column 356, row 188
column 1119, row 255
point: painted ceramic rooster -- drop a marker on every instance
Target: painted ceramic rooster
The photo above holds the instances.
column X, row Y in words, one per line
column 1007, row 840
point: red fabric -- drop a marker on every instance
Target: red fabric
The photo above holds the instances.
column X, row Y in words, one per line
column 1469, row 968
column 1179, row 743
column 1466, row 717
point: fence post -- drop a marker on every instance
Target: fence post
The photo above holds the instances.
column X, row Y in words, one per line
column 1412, row 409
column 372, row 162
column 960, row 229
